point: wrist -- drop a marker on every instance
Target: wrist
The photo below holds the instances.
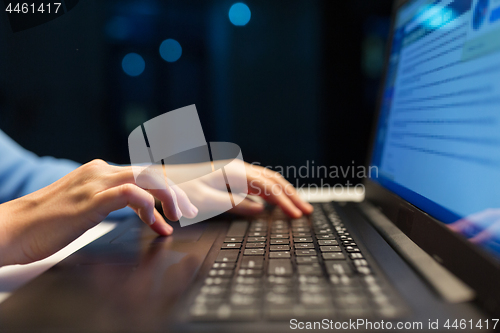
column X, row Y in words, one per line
column 11, row 224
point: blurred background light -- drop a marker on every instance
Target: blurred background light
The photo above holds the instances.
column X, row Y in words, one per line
column 170, row 50
column 133, row 64
column 239, row 14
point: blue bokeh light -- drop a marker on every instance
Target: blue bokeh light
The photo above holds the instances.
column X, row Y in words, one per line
column 170, row 50
column 133, row 64
column 239, row 14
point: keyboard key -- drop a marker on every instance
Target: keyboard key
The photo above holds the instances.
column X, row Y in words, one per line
column 333, row 256
column 313, row 288
column 252, row 262
column 360, row 262
column 303, row 240
column 327, row 236
column 231, row 245
column 306, row 252
column 217, row 281
column 279, row 230
column 254, row 252
column 227, row 256
column 279, row 299
column 237, row 229
column 351, row 249
column 364, row 270
column 257, row 234
column 301, row 234
column 278, row 236
column 282, row 254
column 248, row 280
column 221, row 272
column 330, row 249
column 338, row 268
column 257, row 229
column 237, row 299
column 274, row 280
column 224, row 265
column 280, row 267
column 304, row 246
column 247, row 289
column 279, row 241
column 213, row 290
column 315, row 299
column 281, row 289
column 306, row 260
column 310, row 270
column 342, row 280
column 356, row 255
column 233, row 240
column 256, row 239
column 255, row 245
column 279, row 248
column 327, row 242
column 306, row 279
column 250, row 272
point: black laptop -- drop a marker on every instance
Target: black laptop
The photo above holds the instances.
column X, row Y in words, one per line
column 421, row 252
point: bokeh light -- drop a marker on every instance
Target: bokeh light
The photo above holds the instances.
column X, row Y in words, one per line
column 170, row 50
column 239, row 14
column 133, row 64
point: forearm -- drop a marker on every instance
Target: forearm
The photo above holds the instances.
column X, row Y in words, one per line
column 22, row 172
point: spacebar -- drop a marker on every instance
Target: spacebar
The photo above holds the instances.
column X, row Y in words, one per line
column 237, row 229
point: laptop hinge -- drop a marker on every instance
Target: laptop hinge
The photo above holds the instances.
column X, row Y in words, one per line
column 447, row 285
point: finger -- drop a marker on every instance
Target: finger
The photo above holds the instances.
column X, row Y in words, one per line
column 153, row 180
column 187, row 208
column 144, row 177
column 126, row 195
column 274, row 193
column 247, row 207
column 220, row 200
column 291, row 192
column 169, row 204
column 161, row 226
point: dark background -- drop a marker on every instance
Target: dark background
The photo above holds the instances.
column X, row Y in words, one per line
column 298, row 83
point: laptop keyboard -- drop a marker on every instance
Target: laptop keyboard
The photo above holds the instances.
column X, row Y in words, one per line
column 274, row 268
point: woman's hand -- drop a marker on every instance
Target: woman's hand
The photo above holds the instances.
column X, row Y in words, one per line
column 209, row 194
column 41, row 223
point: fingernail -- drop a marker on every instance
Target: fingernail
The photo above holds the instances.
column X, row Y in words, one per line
column 152, row 219
column 194, row 210
column 179, row 213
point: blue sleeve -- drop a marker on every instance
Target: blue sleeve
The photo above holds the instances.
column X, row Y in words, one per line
column 22, row 172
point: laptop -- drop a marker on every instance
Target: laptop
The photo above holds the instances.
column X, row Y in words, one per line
column 421, row 252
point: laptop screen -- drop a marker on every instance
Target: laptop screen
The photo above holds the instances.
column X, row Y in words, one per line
column 438, row 137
